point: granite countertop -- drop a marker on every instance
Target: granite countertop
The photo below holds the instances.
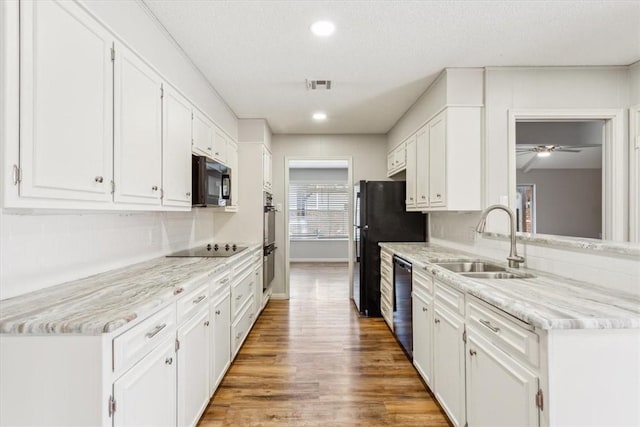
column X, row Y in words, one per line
column 104, row 302
column 546, row 301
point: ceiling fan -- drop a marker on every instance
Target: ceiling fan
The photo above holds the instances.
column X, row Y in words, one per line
column 546, row 150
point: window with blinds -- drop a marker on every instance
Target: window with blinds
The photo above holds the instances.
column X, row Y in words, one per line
column 318, row 211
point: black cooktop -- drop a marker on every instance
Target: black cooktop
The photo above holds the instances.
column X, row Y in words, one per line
column 215, row 250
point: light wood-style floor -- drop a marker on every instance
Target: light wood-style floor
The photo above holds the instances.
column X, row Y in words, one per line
column 313, row 361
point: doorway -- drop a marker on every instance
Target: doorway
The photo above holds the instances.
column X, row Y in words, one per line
column 318, row 224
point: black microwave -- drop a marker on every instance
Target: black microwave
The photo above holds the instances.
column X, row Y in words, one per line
column 210, row 182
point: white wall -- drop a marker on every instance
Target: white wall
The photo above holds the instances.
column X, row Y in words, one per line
column 634, row 82
column 540, row 88
column 568, row 201
column 369, row 161
column 39, row 249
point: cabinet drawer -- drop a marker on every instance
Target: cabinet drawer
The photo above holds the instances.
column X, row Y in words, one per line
column 241, row 265
column 386, row 289
column 134, row 344
column 386, row 258
column 188, row 304
column 450, row 297
column 220, row 282
column 386, row 272
column 387, row 312
column 241, row 291
column 422, row 282
column 241, row 326
column 510, row 335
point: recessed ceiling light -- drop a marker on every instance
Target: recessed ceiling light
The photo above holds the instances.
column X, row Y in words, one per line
column 323, row 28
column 544, row 154
column 319, row 116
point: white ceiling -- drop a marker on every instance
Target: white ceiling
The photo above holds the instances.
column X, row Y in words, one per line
column 384, row 54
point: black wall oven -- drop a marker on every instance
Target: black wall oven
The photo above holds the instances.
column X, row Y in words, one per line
column 269, row 240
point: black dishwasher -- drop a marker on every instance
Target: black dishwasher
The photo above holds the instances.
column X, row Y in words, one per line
column 402, row 314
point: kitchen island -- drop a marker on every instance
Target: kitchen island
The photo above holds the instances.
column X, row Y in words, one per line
column 532, row 351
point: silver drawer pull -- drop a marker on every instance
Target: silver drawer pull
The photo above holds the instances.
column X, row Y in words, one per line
column 472, row 352
column 224, row 280
column 217, row 312
column 168, row 360
column 425, row 309
column 206, row 323
column 238, row 297
column 156, row 330
column 489, row 325
column 436, row 321
column 199, row 299
column 99, row 179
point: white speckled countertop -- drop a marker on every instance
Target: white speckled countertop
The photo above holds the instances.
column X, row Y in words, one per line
column 105, row 302
column 545, row 301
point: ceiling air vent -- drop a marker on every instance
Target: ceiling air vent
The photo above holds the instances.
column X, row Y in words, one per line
column 318, row 84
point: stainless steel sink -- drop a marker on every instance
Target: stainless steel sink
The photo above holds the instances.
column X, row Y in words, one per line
column 497, row 275
column 470, row 266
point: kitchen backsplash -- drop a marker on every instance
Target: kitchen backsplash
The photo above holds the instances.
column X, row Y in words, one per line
column 44, row 250
column 610, row 270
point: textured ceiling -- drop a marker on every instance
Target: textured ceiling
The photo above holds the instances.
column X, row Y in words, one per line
column 384, row 54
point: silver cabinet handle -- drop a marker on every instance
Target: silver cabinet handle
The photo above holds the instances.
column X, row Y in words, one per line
column 436, row 321
column 209, row 148
column 423, row 196
column 156, row 330
column 224, row 280
column 472, row 352
column 99, row 179
column 206, row 323
column 425, row 309
column 199, row 299
column 168, row 360
column 410, row 198
column 217, row 154
column 217, row 312
column 438, row 195
column 188, row 194
column 238, row 297
column 489, row 325
column 154, row 188
column 178, row 291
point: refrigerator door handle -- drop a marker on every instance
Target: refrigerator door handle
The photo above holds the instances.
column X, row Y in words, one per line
column 362, row 227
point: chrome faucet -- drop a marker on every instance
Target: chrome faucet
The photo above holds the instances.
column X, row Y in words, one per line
column 514, row 259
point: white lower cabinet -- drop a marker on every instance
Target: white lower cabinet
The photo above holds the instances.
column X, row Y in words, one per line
column 221, row 341
column 193, row 368
column 423, row 337
column 146, row 394
column 448, row 363
column 500, row 390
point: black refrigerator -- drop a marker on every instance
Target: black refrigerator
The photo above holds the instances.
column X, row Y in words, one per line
column 379, row 216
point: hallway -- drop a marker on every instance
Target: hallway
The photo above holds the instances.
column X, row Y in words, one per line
column 312, row 361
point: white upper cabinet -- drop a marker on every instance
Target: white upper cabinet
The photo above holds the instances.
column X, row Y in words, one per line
column 447, row 162
column 219, row 146
column 203, row 131
column 176, row 149
column 396, row 160
column 137, row 145
column 411, row 200
column 266, row 169
column 66, row 103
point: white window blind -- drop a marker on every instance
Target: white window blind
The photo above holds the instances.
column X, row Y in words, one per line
column 318, row 211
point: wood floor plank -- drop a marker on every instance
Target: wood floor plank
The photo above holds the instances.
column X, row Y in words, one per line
column 313, row 361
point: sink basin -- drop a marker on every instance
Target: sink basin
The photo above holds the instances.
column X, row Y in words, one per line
column 497, row 275
column 470, row 266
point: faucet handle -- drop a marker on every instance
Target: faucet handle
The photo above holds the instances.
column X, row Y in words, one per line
column 515, row 261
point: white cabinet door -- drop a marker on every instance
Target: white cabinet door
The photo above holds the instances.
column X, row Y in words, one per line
column 221, row 342
column 500, row 391
column 411, row 172
column 138, row 130
column 176, row 149
column 146, row 394
column 448, row 363
column 193, row 368
column 232, row 159
column 400, row 157
column 66, row 103
column 391, row 166
column 422, row 173
column 437, row 160
column 266, row 168
column 423, row 337
column 202, row 143
column 220, row 146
